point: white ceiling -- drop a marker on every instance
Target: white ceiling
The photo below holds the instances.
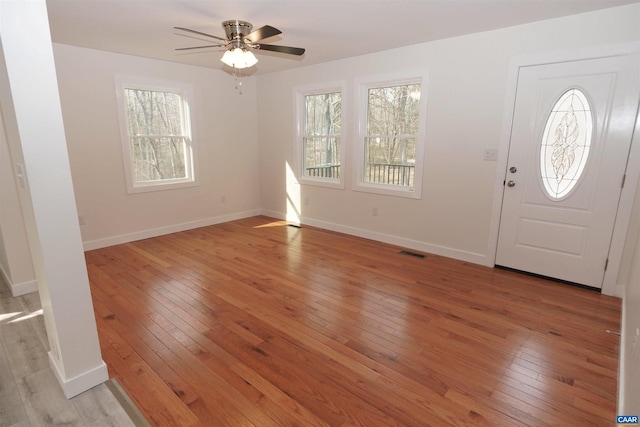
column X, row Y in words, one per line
column 328, row 29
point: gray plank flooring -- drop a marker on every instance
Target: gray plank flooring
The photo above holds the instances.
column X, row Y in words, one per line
column 30, row 395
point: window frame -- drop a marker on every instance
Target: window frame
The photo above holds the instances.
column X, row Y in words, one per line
column 381, row 81
column 300, row 116
column 185, row 91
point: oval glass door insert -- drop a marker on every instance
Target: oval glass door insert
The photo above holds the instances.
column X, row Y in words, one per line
column 565, row 144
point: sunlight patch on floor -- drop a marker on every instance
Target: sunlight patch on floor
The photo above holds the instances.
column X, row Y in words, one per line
column 6, row 316
column 27, row 316
column 272, row 224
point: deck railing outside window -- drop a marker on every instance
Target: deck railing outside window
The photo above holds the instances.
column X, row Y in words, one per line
column 326, row 171
column 384, row 173
column 379, row 173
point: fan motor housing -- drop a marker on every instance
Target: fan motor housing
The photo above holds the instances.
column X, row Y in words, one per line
column 235, row 29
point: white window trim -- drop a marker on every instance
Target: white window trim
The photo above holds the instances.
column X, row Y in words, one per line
column 363, row 85
column 299, row 94
column 186, row 92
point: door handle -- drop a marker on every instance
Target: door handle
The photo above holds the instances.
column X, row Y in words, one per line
column 511, row 183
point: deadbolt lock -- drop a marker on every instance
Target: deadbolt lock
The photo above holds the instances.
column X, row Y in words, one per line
column 513, row 169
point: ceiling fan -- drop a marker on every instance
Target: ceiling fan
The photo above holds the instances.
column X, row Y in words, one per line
column 239, row 40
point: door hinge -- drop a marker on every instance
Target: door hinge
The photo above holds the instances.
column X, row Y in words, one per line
column 624, row 178
column 606, row 264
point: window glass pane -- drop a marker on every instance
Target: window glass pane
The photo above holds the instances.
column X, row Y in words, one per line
column 565, row 144
column 153, row 112
column 321, row 142
column 322, row 157
column 158, row 158
column 157, row 136
column 392, row 126
column 322, row 114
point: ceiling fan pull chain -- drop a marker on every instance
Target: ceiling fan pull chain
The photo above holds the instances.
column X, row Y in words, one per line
column 237, row 74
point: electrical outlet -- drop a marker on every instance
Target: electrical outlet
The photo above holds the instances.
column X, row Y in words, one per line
column 223, row 198
column 490, row 155
column 81, row 220
column 374, row 211
column 306, row 201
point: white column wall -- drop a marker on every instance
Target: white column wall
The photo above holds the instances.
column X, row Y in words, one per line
column 32, row 119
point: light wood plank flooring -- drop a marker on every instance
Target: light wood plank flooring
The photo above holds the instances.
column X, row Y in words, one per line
column 30, row 395
column 255, row 323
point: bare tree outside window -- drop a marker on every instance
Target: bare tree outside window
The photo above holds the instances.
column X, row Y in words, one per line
column 392, row 128
column 321, row 140
column 157, row 136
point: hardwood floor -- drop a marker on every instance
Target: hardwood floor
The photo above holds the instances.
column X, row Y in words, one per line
column 254, row 322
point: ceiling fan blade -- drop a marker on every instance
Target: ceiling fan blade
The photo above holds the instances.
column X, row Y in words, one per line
column 200, row 47
column 281, row 49
column 262, row 33
column 202, row 34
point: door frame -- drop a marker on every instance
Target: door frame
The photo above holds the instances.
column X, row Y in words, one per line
column 610, row 285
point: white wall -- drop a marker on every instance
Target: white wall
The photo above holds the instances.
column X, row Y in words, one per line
column 629, row 373
column 16, row 264
column 225, row 133
column 465, row 113
column 630, row 355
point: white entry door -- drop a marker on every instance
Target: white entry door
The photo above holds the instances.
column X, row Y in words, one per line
column 570, row 140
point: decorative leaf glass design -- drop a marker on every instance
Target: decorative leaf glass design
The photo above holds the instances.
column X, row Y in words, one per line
column 566, row 142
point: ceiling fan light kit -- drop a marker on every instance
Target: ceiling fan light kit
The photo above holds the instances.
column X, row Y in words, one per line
column 239, row 58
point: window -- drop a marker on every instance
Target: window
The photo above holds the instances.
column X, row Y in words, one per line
column 565, row 145
column 156, row 136
column 319, row 143
column 391, row 137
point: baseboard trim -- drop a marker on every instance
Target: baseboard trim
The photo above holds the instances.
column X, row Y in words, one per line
column 472, row 257
column 23, row 288
column 18, row 289
column 618, row 291
column 81, row 383
column 155, row 232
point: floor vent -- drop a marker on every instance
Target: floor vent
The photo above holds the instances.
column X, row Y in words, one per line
column 295, row 225
column 414, row 254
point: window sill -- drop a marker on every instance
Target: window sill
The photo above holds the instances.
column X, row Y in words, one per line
column 319, row 182
column 160, row 186
column 388, row 190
